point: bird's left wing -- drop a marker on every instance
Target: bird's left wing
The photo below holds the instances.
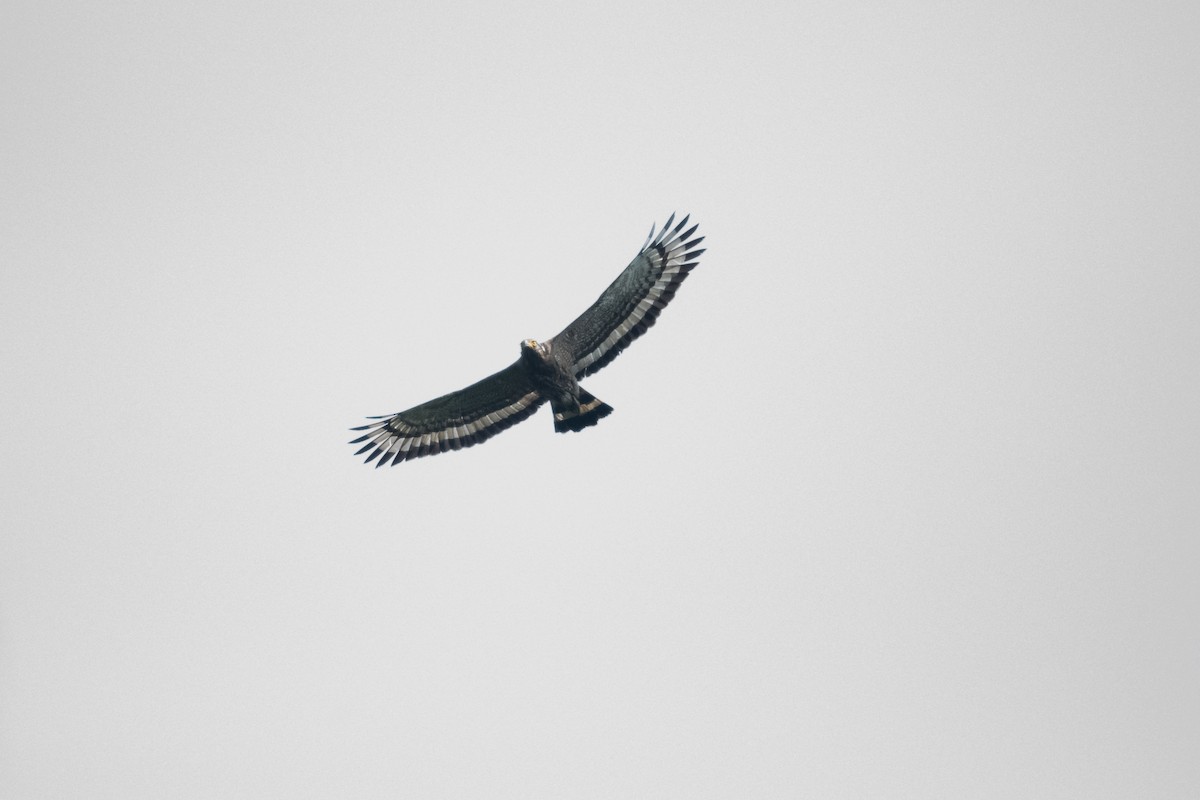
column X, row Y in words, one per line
column 633, row 301
column 453, row 421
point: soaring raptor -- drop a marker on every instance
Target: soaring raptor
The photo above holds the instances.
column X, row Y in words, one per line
column 546, row 371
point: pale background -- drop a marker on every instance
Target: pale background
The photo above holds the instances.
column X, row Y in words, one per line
column 899, row 498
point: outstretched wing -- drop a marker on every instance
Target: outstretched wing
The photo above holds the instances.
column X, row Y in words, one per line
column 456, row 420
column 632, row 303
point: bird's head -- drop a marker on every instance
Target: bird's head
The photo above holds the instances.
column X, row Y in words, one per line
column 536, row 349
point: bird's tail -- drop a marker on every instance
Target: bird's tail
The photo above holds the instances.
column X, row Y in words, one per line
column 588, row 412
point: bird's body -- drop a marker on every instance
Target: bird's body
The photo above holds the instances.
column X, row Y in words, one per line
column 545, row 371
column 552, row 371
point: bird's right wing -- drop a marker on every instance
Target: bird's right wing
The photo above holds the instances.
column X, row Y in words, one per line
column 453, row 421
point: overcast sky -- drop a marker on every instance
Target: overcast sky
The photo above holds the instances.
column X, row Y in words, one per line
column 899, row 497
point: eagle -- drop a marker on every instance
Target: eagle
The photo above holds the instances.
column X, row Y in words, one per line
column 546, row 371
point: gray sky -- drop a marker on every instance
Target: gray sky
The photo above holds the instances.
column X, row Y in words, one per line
column 899, row 498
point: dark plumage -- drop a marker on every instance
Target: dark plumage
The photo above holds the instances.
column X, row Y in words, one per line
column 546, row 371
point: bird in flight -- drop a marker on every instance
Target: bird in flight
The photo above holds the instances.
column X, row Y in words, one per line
column 545, row 371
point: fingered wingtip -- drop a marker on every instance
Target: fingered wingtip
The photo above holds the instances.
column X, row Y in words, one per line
column 649, row 238
column 662, row 234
